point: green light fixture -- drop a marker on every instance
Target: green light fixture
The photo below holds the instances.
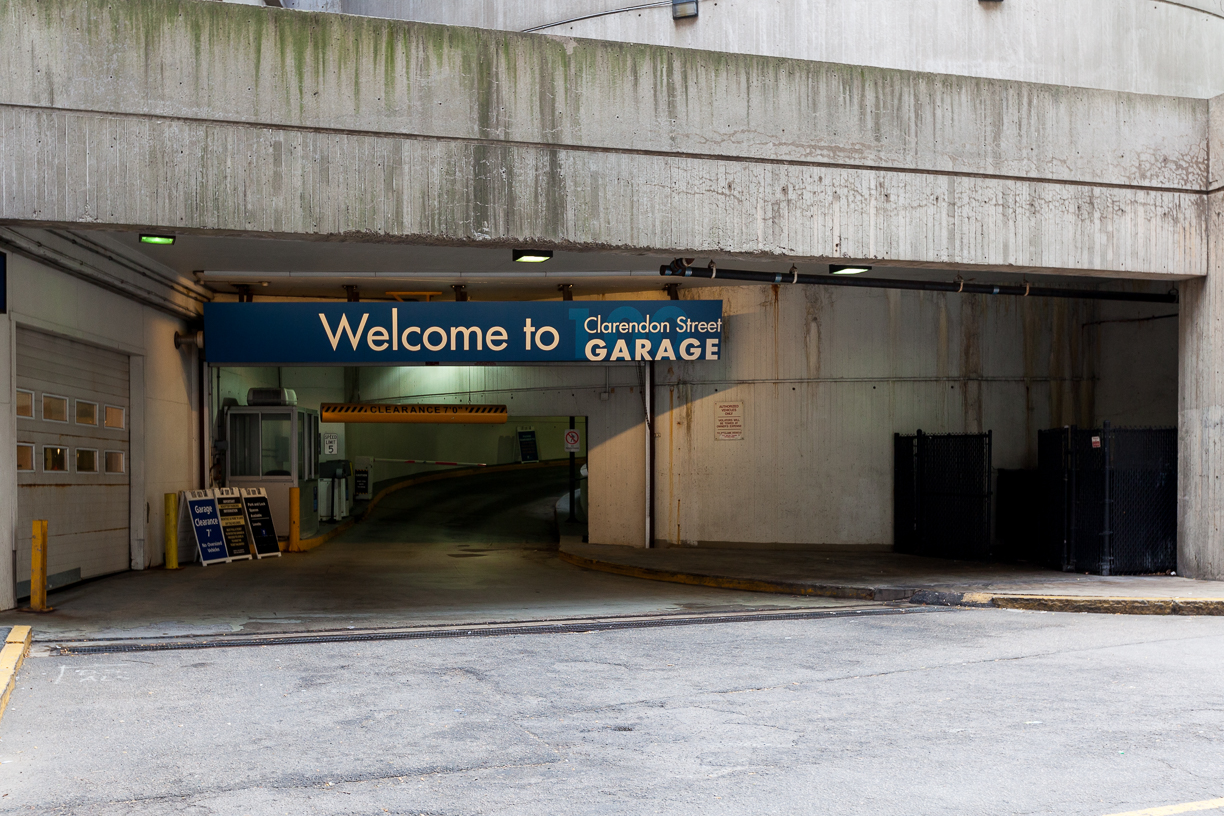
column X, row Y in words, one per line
column 162, row 240
column 854, row 269
column 532, row 255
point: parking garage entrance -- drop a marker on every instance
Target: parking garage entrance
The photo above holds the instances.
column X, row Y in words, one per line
column 349, row 403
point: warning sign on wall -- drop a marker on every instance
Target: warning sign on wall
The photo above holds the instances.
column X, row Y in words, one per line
column 728, row 420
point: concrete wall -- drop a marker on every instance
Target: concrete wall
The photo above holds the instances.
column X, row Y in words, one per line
column 1137, row 368
column 1087, row 43
column 364, row 128
column 1200, row 416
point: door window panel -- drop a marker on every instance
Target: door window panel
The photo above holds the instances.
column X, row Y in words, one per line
column 86, row 413
column 25, row 404
column 116, row 417
column 55, row 459
column 55, row 409
column 86, row 460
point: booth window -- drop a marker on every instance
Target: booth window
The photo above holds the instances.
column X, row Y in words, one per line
column 115, row 417
column 25, row 403
column 114, row 462
column 55, row 459
column 312, row 441
column 87, row 460
column 25, row 456
column 244, row 444
column 55, row 409
column 301, row 443
column 86, row 413
column 276, row 445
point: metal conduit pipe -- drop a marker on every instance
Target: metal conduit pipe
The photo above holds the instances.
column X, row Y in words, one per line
column 678, row 268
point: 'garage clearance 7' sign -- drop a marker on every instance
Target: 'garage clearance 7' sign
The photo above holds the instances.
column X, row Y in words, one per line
column 391, row 333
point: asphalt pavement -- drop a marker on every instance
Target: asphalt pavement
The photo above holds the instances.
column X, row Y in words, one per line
column 927, row 712
column 481, row 548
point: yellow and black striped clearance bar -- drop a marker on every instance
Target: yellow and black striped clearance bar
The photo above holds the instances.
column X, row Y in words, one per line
column 451, row 414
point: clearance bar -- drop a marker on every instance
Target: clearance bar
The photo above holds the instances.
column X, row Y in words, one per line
column 448, row 414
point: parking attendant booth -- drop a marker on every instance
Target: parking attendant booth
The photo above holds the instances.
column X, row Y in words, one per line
column 275, row 446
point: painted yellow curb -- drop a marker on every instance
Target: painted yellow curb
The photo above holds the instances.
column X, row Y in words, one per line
column 1170, row 810
column 1114, row 605
column 16, row 647
column 1104, row 605
column 307, row 544
column 724, row 582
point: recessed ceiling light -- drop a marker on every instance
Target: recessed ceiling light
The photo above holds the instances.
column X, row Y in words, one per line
column 835, row 269
column 532, row 255
column 164, row 240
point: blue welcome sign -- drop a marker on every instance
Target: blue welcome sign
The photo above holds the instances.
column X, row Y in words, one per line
column 206, row 526
column 514, row 332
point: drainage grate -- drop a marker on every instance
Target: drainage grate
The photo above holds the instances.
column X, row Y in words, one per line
column 570, row 627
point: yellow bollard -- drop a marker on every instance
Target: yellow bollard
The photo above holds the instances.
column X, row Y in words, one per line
column 38, row 568
column 295, row 519
column 172, row 514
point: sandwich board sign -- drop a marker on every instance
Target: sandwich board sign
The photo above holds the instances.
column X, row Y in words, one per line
column 529, row 451
column 259, row 522
column 201, row 510
column 233, row 523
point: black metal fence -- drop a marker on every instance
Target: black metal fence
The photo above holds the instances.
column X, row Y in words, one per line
column 942, row 495
column 1109, row 499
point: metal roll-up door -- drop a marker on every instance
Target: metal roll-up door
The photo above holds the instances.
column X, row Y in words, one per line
column 72, row 457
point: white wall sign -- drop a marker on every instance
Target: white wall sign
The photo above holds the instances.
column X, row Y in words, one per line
column 331, row 444
column 728, row 420
column 572, row 440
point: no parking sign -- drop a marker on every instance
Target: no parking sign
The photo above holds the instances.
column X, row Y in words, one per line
column 572, row 441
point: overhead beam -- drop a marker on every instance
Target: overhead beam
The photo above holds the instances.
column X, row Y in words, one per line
column 266, row 122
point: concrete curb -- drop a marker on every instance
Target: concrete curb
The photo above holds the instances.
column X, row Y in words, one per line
column 16, row 647
column 1073, row 603
column 923, row 597
column 858, row 593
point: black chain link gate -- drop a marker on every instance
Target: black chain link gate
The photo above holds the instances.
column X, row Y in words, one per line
column 1110, row 499
column 942, row 495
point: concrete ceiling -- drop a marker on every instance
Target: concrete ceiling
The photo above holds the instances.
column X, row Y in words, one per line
column 320, row 269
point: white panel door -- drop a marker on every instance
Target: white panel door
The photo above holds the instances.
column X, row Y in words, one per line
column 72, row 457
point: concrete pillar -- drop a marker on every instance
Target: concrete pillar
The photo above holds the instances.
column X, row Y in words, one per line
column 8, row 464
column 1200, row 410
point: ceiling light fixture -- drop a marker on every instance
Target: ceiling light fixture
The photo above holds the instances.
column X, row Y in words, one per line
column 163, row 240
column 682, row 9
column 532, row 255
column 855, row 269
